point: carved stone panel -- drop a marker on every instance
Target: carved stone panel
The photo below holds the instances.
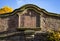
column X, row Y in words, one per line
column 29, row 19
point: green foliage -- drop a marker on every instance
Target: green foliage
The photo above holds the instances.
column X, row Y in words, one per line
column 54, row 36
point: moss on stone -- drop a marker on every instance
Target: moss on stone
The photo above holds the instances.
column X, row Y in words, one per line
column 8, row 34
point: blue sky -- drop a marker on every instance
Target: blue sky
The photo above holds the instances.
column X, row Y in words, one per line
column 49, row 5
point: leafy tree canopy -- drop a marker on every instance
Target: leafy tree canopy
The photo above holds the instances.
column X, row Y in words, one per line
column 5, row 9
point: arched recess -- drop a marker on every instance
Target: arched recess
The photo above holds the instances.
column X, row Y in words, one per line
column 29, row 19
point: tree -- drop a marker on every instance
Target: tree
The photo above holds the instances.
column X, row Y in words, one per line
column 5, row 9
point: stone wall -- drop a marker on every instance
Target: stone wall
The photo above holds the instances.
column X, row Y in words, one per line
column 3, row 24
column 22, row 37
column 29, row 19
column 13, row 23
column 8, row 23
column 50, row 22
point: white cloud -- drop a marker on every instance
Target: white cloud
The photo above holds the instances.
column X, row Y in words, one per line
column 19, row 1
column 23, row 2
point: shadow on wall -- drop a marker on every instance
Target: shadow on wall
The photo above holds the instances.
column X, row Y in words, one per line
column 13, row 23
column 37, row 20
column 22, row 37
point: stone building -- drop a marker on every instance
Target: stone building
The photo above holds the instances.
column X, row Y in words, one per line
column 27, row 21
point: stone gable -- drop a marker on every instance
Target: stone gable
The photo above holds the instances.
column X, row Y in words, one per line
column 29, row 17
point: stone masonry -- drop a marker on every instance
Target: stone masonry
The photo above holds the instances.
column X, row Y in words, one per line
column 28, row 17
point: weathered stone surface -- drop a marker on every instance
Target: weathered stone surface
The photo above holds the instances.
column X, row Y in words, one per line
column 40, row 37
column 50, row 23
column 13, row 23
column 31, row 17
column 9, row 23
column 3, row 24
